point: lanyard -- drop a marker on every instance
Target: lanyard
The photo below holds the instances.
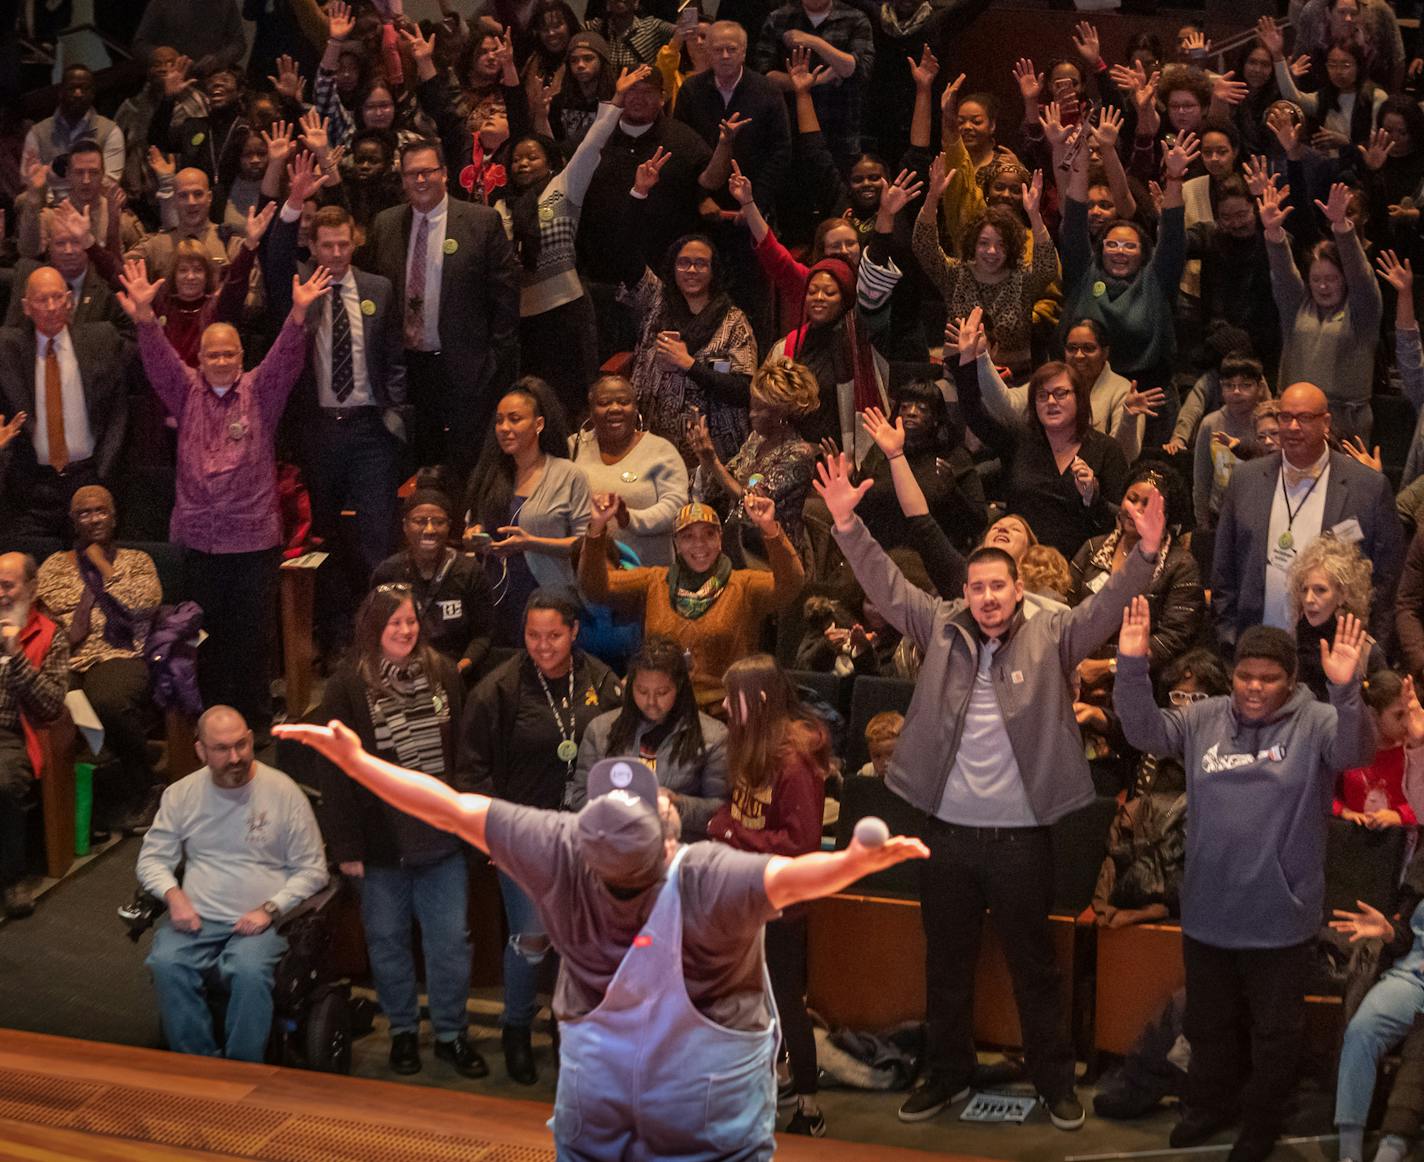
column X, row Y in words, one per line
column 423, row 607
column 568, row 748
column 1287, row 538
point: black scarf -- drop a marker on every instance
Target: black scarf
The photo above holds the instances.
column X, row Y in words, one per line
column 696, row 330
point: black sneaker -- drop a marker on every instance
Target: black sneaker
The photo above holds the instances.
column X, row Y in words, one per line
column 519, row 1054
column 1196, row 1127
column 1066, row 1112
column 405, row 1053
column 808, row 1125
column 929, row 1097
column 461, row 1054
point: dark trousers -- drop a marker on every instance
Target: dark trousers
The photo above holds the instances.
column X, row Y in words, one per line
column 117, row 689
column 16, row 778
column 1231, row 991
column 1009, row 871
column 449, row 422
column 350, row 460
column 561, row 348
column 786, row 964
column 39, row 504
column 235, row 592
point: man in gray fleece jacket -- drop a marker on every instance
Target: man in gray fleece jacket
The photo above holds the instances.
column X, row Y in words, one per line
column 990, row 752
column 1261, row 766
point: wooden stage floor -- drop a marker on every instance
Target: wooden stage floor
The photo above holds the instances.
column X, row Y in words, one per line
column 63, row 1099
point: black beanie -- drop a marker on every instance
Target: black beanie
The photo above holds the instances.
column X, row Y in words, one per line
column 1266, row 641
column 428, row 496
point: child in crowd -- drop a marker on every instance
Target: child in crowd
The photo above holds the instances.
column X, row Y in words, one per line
column 882, row 732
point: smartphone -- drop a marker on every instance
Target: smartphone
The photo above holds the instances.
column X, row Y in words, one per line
column 60, row 166
column 1067, row 97
column 688, row 16
column 478, row 540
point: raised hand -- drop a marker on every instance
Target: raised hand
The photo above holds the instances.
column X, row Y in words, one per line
column 1184, row 151
column 1196, row 43
column 1032, row 194
column 1257, row 172
column 940, row 177
column 288, row 83
column 699, row 438
column 888, row 437
column 1356, row 450
column 626, row 80
column 1229, row 91
column 949, row 106
column 1134, row 639
column 1272, row 39
column 279, row 144
column 314, row 132
column 1367, row 924
column 1029, row 80
column 257, row 223
column 833, row 485
column 646, row 176
column 11, row 428
column 729, row 127
column 421, row 48
column 1085, row 40
column 303, row 181
column 1050, row 119
column 1144, row 96
column 1336, row 207
column 1375, row 151
column 1143, row 403
column 1108, row 129
column 804, row 78
column 1340, row 659
column 306, row 293
column 896, row 195
column 761, row 511
column 739, row 186
column 138, row 294
column 335, row 741
column 69, row 220
column 1273, row 210
column 1301, row 66
column 972, row 340
column 1151, row 523
column 925, row 70
column 603, row 509
column 1287, row 129
column 162, row 164
column 1399, row 275
column 339, row 21
column 176, row 78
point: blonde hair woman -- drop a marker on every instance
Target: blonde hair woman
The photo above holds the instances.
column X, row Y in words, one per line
column 1328, row 580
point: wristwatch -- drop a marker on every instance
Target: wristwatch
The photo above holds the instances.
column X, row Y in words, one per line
column 271, row 909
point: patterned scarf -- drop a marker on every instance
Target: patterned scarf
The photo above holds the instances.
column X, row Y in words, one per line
column 410, row 716
column 693, row 594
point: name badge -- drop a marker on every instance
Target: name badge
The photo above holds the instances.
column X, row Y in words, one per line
column 1348, row 531
column 1016, row 677
column 451, row 610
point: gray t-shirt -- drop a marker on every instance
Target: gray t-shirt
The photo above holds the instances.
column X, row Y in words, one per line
column 724, row 907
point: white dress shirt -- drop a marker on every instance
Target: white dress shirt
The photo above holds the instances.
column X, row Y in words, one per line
column 434, row 266
column 76, row 412
column 361, row 391
column 1304, row 528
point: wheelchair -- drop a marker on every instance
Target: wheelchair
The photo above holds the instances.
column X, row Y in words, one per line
column 315, row 1019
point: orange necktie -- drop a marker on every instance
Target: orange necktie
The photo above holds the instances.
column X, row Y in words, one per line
column 54, row 412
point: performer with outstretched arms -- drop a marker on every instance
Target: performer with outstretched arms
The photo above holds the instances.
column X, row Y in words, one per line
column 667, row 1036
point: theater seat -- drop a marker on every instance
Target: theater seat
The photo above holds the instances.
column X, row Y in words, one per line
column 56, row 787
column 1361, row 864
column 868, row 697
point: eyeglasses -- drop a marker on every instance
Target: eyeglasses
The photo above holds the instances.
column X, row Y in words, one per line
column 1057, row 395
column 1186, row 697
column 421, row 175
column 687, row 264
column 1113, row 245
column 1298, row 419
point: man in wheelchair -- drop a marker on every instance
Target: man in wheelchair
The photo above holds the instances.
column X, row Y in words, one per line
column 252, row 852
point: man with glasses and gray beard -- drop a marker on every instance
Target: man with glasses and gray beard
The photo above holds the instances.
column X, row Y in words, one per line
column 34, row 675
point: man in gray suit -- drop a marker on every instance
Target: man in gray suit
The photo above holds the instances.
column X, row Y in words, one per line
column 346, row 403
column 69, row 379
column 1277, row 505
column 457, row 284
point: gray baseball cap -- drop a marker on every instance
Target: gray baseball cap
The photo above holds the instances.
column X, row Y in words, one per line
column 620, row 834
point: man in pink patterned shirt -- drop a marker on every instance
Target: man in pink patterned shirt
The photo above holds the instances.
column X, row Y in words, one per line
column 226, row 515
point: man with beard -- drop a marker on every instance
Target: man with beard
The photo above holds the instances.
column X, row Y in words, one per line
column 34, row 675
column 252, row 852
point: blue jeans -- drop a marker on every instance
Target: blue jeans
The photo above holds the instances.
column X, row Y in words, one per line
column 186, row 964
column 528, row 946
column 436, row 895
column 1382, row 1021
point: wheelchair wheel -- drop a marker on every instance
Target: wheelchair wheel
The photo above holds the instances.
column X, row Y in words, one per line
column 328, row 1033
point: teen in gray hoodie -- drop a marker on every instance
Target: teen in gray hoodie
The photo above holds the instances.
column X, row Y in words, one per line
column 1260, row 765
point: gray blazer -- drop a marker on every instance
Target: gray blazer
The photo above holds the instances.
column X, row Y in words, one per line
column 1031, row 673
column 702, row 786
column 1238, row 572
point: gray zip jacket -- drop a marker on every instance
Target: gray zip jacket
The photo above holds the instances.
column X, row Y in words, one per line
column 1258, row 803
column 1032, row 679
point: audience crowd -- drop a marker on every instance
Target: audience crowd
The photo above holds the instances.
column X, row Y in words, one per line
column 629, row 369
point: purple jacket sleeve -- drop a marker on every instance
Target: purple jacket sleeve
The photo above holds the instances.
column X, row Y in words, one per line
column 170, row 378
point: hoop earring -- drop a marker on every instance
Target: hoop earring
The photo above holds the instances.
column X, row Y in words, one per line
column 639, row 428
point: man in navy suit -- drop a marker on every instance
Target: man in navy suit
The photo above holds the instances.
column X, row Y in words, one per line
column 347, row 403
column 1277, row 505
column 457, row 286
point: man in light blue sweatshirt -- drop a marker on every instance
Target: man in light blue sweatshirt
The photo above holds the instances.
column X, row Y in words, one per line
column 1261, row 766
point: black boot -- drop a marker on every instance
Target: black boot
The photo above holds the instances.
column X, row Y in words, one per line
column 519, row 1055
column 405, row 1053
